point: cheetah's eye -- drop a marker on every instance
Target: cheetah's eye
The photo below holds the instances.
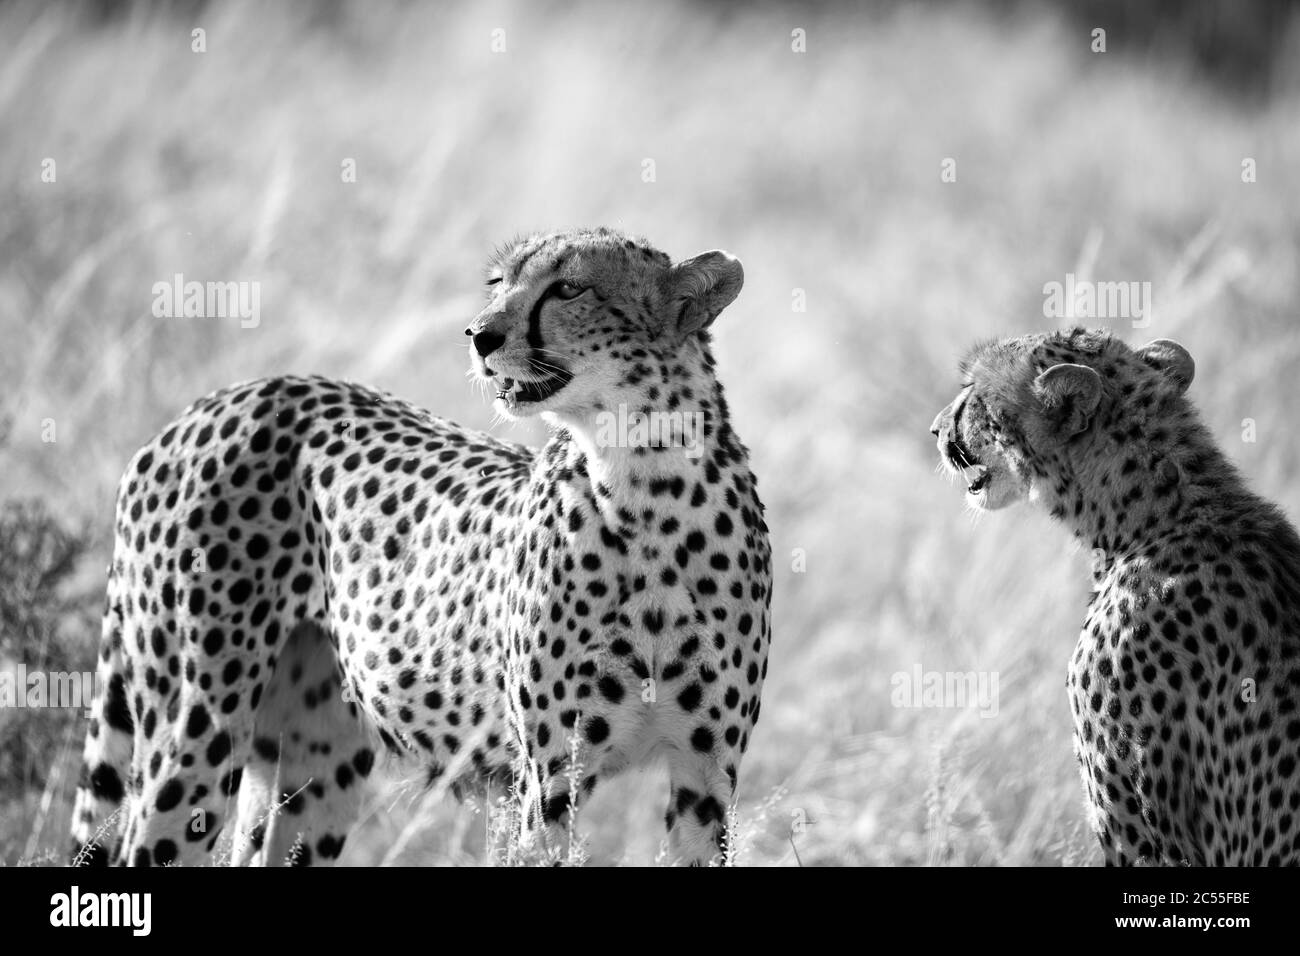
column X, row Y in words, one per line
column 567, row 290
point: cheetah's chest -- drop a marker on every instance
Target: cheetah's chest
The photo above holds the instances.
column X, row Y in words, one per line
column 651, row 625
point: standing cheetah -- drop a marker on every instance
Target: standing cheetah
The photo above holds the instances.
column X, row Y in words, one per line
column 1186, row 678
column 303, row 566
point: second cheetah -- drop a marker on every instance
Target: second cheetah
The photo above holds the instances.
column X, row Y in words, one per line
column 1185, row 683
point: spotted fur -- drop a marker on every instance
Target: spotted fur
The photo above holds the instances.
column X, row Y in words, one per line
column 304, row 566
column 1186, row 678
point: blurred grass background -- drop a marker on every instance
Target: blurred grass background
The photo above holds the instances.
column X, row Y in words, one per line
column 819, row 169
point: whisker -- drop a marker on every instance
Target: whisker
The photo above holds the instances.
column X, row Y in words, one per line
column 535, row 358
column 546, row 370
column 545, row 351
column 539, row 365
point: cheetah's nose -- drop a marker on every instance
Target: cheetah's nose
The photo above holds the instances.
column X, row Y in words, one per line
column 485, row 343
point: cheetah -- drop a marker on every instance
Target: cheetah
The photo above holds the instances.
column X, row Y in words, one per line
column 309, row 572
column 1185, row 681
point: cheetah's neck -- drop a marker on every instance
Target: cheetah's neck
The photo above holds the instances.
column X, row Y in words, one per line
column 1124, row 498
column 633, row 464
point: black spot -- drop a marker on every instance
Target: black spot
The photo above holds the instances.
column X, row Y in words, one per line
column 610, row 689
column 230, row 781
column 169, row 795
column 709, row 810
column 267, row 748
column 117, row 713
column 257, row 546
column 219, row 748
column 329, row 847
column 597, row 729
column 106, row 784
column 213, row 641
column 363, row 761
column 343, row 776
column 198, row 721
column 702, row 739
column 690, row 696
column 164, row 852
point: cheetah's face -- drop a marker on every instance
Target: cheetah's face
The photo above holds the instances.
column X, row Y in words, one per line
column 568, row 315
column 1027, row 405
column 986, row 435
column 976, row 444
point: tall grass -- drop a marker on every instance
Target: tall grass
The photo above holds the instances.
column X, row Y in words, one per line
column 821, row 170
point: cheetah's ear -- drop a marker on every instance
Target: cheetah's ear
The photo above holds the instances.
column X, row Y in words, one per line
column 699, row 288
column 1172, row 359
column 1070, row 394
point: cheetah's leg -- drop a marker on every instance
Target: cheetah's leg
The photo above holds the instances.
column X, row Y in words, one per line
column 302, row 785
column 548, row 818
column 186, row 776
column 187, row 790
column 193, row 731
column 701, row 793
column 106, row 759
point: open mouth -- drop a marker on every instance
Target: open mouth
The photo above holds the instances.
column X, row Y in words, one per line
column 962, row 459
column 517, row 392
column 977, row 477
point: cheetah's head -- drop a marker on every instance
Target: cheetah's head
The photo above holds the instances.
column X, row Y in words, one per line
column 577, row 322
column 1028, row 407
